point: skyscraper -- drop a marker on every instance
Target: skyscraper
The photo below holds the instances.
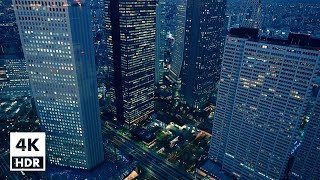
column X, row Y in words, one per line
column 307, row 160
column 14, row 79
column 197, row 53
column 177, row 59
column 263, row 96
column 131, row 36
column 251, row 14
column 58, row 47
column 160, row 40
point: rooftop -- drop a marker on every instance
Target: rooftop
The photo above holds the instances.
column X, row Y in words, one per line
column 143, row 134
column 214, row 170
column 304, row 41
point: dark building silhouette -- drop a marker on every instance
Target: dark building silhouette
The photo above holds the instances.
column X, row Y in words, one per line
column 131, row 37
column 201, row 51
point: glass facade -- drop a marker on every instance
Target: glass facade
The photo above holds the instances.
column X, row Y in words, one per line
column 177, row 59
column 57, row 43
column 131, row 37
column 160, row 40
column 202, row 50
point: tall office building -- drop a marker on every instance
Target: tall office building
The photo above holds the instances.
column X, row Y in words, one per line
column 160, row 40
column 251, row 14
column 14, row 79
column 57, row 42
column 177, row 58
column 131, row 37
column 307, row 160
column 263, row 96
column 197, row 49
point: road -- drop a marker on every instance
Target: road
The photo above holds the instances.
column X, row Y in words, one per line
column 157, row 167
column 5, row 169
column 158, row 173
column 163, row 168
column 4, row 153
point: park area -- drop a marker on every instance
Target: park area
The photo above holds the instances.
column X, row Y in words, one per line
column 185, row 147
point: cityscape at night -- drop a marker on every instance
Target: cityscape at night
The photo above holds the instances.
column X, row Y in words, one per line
column 160, row 89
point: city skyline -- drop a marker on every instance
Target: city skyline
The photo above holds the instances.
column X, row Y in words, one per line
column 163, row 89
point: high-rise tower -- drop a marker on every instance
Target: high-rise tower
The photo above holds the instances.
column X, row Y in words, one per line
column 177, row 59
column 131, row 36
column 57, row 43
column 160, row 40
column 251, row 14
column 263, row 96
column 198, row 56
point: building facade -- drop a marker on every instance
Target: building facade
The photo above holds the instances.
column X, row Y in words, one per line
column 57, row 43
column 201, row 60
column 177, row 58
column 131, row 37
column 306, row 164
column 14, row 79
column 251, row 14
column 263, row 96
column 160, row 40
